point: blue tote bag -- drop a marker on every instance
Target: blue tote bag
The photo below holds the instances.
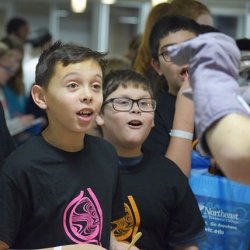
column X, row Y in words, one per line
column 225, row 207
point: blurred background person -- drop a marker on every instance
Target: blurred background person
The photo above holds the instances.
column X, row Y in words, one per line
column 142, row 61
column 14, row 87
column 192, row 9
column 8, row 67
column 17, row 31
column 39, row 40
column 173, row 132
column 133, row 48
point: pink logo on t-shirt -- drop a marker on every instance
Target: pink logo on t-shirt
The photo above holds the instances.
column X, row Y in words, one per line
column 83, row 219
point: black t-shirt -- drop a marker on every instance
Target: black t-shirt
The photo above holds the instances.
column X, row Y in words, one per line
column 159, row 137
column 159, row 203
column 50, row 197
column 7, row 144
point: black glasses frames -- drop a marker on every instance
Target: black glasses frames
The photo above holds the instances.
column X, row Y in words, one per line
column 165, row 56
column 123, row 104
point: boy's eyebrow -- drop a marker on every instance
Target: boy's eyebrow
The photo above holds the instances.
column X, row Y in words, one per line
column 69, row 74
column 77, row 73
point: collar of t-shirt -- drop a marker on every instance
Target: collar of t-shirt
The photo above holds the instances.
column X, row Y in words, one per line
column 127, row 162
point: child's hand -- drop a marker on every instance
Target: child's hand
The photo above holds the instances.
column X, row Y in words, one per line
column 123, row 246
column 119, row 245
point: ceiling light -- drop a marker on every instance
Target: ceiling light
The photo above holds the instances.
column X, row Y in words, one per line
column 155, row 2
column 78, row 6
column 108, row 1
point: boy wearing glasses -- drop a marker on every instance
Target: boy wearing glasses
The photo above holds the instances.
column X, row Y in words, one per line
column 174, row 111
column 158, row 200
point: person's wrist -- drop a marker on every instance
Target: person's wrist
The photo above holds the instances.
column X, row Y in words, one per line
column 181, row 134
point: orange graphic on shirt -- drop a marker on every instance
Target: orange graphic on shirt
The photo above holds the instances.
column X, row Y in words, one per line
column 126, row 228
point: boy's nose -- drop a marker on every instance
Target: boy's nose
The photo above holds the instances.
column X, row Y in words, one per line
column 86, row 95
column 135, row 108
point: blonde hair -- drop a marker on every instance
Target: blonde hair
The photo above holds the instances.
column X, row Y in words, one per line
column 189, row 8
column 15, row 82
column 142, row 60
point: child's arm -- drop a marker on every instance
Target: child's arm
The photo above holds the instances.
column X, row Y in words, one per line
column 229, row 142
column 116, row 245
column 179, row 149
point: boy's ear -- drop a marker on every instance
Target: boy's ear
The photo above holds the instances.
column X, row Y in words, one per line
column 156, row 65
column 99, row 120
column 38, row 96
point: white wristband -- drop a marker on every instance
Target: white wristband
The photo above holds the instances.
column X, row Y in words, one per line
column 181, row 134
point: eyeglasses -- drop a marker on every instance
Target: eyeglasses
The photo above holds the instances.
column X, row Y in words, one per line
column 124, row 104
column 165, row 56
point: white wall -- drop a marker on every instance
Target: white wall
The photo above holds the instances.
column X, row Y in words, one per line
column 82, row 28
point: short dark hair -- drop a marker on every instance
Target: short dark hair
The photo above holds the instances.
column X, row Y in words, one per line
column 125, row 78
column 68, row 53
column 170, row 24
column 204, row 28
column 39, row 37
column 14, row 24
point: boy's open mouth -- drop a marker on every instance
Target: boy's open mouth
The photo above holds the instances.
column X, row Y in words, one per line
column 85, row 113
column 135, row 123
column 184, row 72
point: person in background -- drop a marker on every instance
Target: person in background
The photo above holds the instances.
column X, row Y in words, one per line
column 7, row 144
column 177, row 149
column 158, row 200
column 40, row 40
column 14, row 88
column 192, row 9
column 62, row 186
column 133, row 48
column 172, row 134
column 15, row 101
column 17, row 31
column 8, row 67
column 142, row 62
column 222, row 116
